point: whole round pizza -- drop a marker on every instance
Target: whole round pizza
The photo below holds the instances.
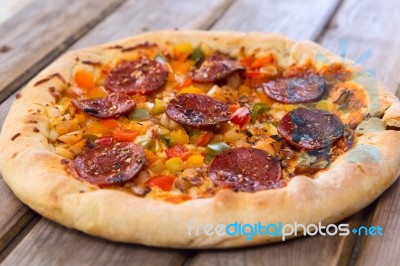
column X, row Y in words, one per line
column 147, row 139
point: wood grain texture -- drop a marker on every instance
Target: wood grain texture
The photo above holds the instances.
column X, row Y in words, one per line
column 18, row 238
column 317, row 250
column 369, row 25
column 39, row 32
column 14, row 215
column 52, row 244
column 294, row 19
column 9, row 8
column 139, row 16
column 384, row 250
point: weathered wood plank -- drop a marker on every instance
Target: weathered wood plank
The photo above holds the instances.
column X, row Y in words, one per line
column 14, row 215
column 383, row 250
column 317, row 250
column 369, row 25
column 9, row 8
column 18, row 238
column 294, row 19
column 18, row 33
column 181, row 14
column 39, row 32
column 147, row 17
column 52, row 244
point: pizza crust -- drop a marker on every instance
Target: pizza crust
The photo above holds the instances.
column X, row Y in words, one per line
column 41, row 181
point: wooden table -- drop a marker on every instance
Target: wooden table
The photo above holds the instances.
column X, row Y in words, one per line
column 35, row 32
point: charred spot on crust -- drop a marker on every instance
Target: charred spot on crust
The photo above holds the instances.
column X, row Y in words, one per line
column 139, row 46
column 119, row 47
column 88, row 62
column 54, row 93
column 15, row 136
column 55, row 75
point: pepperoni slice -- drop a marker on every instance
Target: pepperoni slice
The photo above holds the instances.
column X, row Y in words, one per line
column 114, row 104
column 215, row 68
column 310, row 129
column 112, row 164
column 140, row 76
column 296, row 89
column 195, row 110
column 245, row 169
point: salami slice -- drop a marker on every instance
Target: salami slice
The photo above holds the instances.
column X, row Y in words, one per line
column 215, row 68
column 195, row 110
column 245, row 169
column 113, row 164
column 296, row 89
column 113, row 105
column 310, row 129
column 140, row 76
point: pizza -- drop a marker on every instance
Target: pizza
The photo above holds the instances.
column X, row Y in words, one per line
column 135, row 140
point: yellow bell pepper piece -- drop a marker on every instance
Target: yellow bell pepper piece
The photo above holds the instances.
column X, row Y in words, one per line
column 195, row 160
column 159, row 107
column 178, row 136
column 192, row 89
column 97, row 128
column 96, row 92
column 182, row 51
column 181, row 66
column 243, row 89
column 206, row 49
column 184, row 48
column 82, row 119
column 174, row 165
column 291, row 107
column 325, row 105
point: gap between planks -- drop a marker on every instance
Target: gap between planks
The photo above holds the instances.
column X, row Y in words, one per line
column 19, row 236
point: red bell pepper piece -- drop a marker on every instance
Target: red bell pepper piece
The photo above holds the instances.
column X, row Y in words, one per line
column 164, row 182
column 178, row 151
column 241, row 116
